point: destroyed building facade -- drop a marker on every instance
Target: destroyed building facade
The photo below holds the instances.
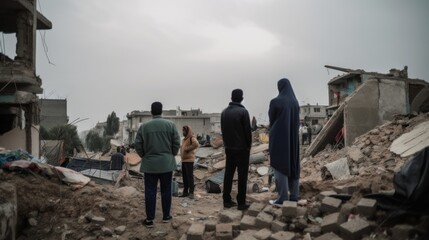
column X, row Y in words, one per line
column 313, row 114
column 360, row 100
column 201, row 123
column 19, row 84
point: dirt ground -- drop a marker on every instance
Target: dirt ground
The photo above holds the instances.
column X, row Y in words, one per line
column 60, row 211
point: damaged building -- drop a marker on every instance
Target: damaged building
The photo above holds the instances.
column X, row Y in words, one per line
column 19, row 84
column 202, row 123
column 360, row 100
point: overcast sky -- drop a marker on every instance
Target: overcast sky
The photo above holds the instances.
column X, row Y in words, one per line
column 123, row 55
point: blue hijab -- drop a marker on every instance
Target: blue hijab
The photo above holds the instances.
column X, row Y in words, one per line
column 284, row 125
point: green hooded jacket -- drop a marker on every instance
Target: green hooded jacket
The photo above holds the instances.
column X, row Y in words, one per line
column 157, row 143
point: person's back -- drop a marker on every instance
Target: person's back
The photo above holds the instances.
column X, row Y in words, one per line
column 158, row 147
column 235, row 127
column 117, row 160
column 157, row 143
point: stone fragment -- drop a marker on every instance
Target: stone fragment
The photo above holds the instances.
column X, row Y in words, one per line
column 282, row 235
column 262, row 234
column 211, row 225
column 345, row 211
column 354, row 229
column 302, row 211
column 313, row 230
column 32, row 222
column 196, row 231
column 107, row 231
column 246, row 235
column 330, row 205
column 324, row 194
column 263, row 220
column 330, row 223
column 120, row 230
column 224, row 231
column 289, row 209
column 301, row 224
column 228, row 216
column 98, row 220
column 328, row 236
column 355, row 154
column 247, row 222
column 366, row 207
column 347, row 189
column 255, row 208
column 277, row 226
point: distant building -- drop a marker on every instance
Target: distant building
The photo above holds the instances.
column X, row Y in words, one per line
column 201, row 123
column 53, row 112
column 313, row 114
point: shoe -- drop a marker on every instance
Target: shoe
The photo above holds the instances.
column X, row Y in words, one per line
column 148, row 223
column 229, row 204
column 167, row 220
column 243, row 206
column 191, row 196
column 184, row 195
column 273, row 202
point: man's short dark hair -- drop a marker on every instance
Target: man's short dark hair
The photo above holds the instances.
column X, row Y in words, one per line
column 237, row 95
column 156, row 108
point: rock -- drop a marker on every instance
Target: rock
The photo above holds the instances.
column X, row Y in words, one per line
column 355, row 154
column 32, row 222
column 107, row 231
column 126, row 192
column 120, row 230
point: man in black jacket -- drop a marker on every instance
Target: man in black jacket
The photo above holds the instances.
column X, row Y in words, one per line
column 237, row 139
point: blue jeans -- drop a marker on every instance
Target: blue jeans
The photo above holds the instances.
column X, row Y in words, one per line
column 284, row 184
column 150, row 185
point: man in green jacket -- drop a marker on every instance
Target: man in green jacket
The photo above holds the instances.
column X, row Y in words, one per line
column 157, row 142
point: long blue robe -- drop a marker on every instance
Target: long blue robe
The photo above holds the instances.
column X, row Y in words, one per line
column 284, row 125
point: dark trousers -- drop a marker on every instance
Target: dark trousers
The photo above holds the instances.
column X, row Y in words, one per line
column 236, row 159
column 188, row 177
column 150, row 185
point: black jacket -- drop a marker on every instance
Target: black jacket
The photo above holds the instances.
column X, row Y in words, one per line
column 235, row 127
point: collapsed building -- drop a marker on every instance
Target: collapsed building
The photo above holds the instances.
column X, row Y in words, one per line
column 360, row 100
column 19, row 84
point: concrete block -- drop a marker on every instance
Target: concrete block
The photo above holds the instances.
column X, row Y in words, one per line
column 278, row 212
column 255, row 208
column 330, row 205
column 277, row 226
column 289, row 209
column 270, row 209
column 224, row 231
column 347, row 189
column 196, row 231
column 313, row 230
column 302, row 211
column 401, row 231
column 229, row 215
column 354, row 229
column 324, row 194
column 210, row 225
column 328, row 236
column 366, row 207
column 263, row 220
column 282, row 235
column 301, row 224
column 345, row 211
column 262, row 234
column 330, row 223
column 247, row 222
column 246, row 235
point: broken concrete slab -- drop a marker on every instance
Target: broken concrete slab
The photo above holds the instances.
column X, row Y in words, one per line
column 339, row 169
column 412, row 142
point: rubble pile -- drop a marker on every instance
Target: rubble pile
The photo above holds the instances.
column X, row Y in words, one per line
column 333, row 204
column 369, row 155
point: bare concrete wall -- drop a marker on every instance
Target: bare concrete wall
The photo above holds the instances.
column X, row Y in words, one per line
column 16, row 139
column 392, row 100
column 361, row 111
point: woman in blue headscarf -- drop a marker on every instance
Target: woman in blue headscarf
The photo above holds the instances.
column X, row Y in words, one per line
column 284, row 142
